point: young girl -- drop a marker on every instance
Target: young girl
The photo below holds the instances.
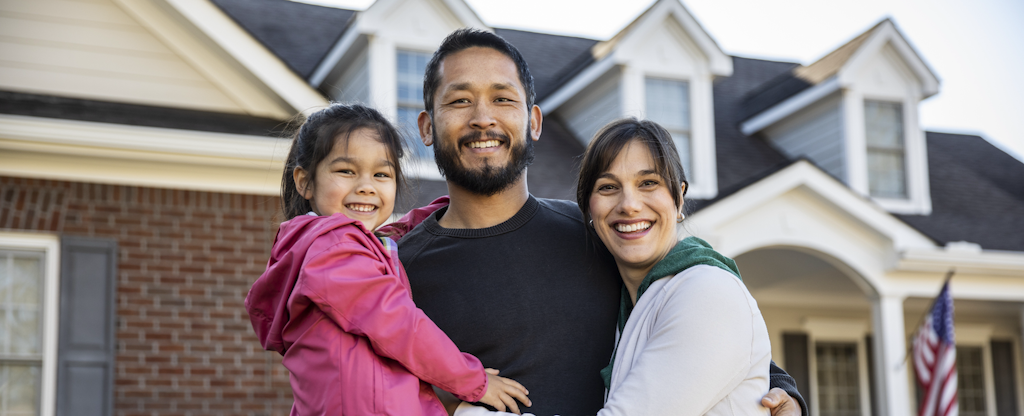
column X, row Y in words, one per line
column 335, row 301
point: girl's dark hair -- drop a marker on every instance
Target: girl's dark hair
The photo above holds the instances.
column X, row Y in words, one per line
column 316, row 138
column 612, row 138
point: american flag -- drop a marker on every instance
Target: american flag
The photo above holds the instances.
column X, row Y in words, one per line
column 935, row 359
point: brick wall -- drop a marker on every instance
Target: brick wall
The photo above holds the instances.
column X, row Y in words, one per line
column 186, row 262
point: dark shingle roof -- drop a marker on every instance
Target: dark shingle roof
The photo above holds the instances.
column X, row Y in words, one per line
column 977, row 194
column 49, row 106
column 740, row 156
column 299, row 34
column 553, row 59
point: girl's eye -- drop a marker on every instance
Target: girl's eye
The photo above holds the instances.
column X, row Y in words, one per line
column 346, row 171
column 382, row 175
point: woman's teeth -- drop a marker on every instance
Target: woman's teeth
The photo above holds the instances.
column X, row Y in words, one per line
column 360, row 207
column 632, row 228
column 484, row 144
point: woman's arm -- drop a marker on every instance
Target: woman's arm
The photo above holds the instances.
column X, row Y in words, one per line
column 702, row 343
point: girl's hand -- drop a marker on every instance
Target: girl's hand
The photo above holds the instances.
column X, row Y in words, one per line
column 502, row 393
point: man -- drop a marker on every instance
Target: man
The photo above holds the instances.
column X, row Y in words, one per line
column 512, row 279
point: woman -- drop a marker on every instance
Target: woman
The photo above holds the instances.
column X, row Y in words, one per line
column 691, row 339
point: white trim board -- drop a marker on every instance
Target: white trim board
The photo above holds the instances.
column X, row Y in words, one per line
column 141, row 156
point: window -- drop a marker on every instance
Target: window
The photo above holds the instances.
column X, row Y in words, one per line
column 886, row 161
column 411, row 66
column 668, row 104
column 970, row 382
column 838, row 379
column 21, row 331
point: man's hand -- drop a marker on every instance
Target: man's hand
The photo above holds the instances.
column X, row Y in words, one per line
column 780, row 403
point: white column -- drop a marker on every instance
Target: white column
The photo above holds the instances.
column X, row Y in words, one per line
column 891, row 364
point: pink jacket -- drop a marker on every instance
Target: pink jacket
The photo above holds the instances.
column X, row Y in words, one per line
column 336, row 303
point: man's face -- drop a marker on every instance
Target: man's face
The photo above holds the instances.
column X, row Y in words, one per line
column 482, row 128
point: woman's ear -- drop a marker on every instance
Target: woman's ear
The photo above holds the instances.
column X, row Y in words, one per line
column 682, row 188
column 301, row 178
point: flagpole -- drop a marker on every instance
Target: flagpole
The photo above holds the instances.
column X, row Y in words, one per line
column 927, row 311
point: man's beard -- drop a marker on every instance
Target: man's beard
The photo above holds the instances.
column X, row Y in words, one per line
column 490, row 179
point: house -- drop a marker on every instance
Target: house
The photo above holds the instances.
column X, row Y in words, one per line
column 141, row 147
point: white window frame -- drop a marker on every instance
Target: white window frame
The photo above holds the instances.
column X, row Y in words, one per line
column 902, row 149
column 49, row 245
column 980, row 336
column 689, row 160
column 854, row 331
column 417, row 167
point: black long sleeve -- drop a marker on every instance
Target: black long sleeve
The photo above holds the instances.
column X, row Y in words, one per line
column 781, row 379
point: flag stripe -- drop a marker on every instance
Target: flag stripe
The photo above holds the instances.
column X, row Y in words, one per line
column 934, row 358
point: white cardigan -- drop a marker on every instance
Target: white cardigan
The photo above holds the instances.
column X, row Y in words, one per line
column 694, row 344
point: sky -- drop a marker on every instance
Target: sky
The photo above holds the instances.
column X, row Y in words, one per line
column 976, row 48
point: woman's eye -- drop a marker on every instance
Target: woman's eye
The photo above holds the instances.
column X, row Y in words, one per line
column 605, row 187
column 649, row 182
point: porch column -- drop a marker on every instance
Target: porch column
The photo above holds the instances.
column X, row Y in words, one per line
column 891, row 365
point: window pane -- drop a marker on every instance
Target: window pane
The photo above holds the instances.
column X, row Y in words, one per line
column 19, row 390
column 682, row 142
column 411, row 66
column 970, row 381
column 838, row 379
column 668, row 103
column 21, row 281
column 884, row 124
column 886, row 174
column 885, row 151
column 410, row 132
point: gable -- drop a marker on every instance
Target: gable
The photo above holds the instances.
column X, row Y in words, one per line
column 144, row 53
column 416, row 23
column 885, row 75
column 665, row 49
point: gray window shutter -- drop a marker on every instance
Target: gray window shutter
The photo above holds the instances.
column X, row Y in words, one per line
column 1003, row 372
column 797, row 365
column 85, row 355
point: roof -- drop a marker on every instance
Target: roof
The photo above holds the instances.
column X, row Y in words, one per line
column 299, row 34
column 977, row 193
column 799, row 78
column 48, row 106
column 553, row 59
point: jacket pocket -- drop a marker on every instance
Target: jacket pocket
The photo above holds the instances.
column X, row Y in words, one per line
column 378, row 387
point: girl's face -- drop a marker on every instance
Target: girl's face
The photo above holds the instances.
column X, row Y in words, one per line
column 633, row 211
column 357, row 180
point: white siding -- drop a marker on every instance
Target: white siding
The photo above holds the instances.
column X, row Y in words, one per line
column 591, row 109
column 354, row 83
column 93, row 49
column 817, row 134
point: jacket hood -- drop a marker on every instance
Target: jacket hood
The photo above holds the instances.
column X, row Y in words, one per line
column 267, row 301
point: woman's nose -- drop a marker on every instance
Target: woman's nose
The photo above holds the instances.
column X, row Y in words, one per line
column 631, row 202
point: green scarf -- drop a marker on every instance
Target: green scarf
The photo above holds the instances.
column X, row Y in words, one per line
column 687, row 253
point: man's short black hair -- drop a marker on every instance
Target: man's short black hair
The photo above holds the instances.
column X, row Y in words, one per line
column 467, row 38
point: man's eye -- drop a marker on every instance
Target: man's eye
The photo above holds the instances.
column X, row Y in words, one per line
column 460, row 101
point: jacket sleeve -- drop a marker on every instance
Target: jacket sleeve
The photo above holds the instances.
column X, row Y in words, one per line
column 699, row 350
column 781, row 379
column 350, row 284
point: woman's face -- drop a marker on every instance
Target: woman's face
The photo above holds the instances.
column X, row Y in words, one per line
column 633, row 211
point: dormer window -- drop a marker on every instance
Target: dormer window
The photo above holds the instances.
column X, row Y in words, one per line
column 668, row 104
column 411, row 67
column 887, row 177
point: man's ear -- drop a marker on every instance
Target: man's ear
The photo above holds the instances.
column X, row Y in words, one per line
column 536, row 121
column 426, row 128
column 301, row 178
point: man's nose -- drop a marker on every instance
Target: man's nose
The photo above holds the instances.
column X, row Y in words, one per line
column 483, row 117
